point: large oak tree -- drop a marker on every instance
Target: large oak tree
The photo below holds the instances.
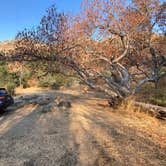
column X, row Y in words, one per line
column 111, row 45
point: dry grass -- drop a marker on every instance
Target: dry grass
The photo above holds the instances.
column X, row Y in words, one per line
column 143, row 122
column 20, row 90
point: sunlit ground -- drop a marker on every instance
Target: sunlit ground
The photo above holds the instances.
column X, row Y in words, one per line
column 90, row 133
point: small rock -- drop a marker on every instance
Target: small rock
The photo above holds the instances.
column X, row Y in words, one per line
column 43, row 101
column 62, row 102
column 29, row 163
column 66, row 104
column 47, row 108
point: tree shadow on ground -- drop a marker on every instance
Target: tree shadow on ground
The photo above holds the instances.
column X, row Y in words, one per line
column 31, row 137
column 118, row 144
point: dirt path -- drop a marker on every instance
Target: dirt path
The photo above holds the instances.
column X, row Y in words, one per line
column 88, row 134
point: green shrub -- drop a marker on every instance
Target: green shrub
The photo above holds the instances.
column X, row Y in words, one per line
column 154, row 96
column 55, row 85
column 158, row 101
column 43, row 84
column 26, row 77
column 8, row 79
column 56, row 81
column 11, row 88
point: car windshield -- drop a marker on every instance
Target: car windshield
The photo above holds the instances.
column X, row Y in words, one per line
column 3, row 92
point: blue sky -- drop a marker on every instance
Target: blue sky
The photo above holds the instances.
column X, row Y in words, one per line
column 15, row 15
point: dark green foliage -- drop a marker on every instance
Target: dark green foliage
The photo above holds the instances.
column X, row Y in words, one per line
column 27, row 75
column 149, row 94
column 56, row 81
column 10, row 89
column 43, row 84
column 55, row 85
column 21, row 77
column 8, row 79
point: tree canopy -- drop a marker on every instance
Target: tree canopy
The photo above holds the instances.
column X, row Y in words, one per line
column 111, row 45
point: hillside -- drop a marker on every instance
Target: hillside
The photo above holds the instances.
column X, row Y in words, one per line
column 7, row 45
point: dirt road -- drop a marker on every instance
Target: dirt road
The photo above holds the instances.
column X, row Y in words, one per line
column 88, row 134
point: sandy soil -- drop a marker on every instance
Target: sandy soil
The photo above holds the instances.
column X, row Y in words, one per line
column 88, row 134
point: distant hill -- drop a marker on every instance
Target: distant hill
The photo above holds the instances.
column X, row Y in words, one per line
column 7, row 45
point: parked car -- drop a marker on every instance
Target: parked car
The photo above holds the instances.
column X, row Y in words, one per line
column 5, row 99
